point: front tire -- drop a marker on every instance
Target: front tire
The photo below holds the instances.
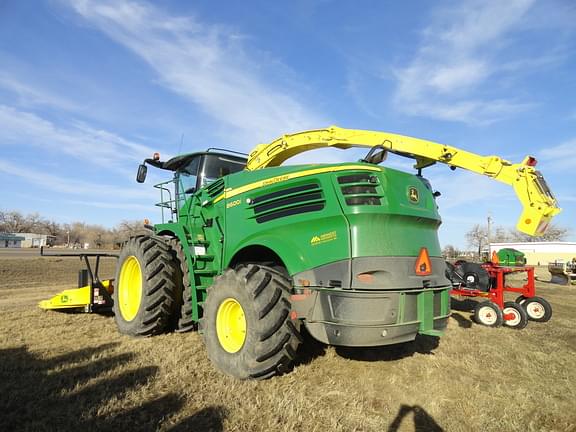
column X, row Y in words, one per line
column 538, row 309
column 247, row 326
column 518, row 319
column 146, row 287
column 488, row 313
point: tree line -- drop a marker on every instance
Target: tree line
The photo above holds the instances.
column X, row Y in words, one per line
column 68, row 234
column 78, row 233
column 478, row 238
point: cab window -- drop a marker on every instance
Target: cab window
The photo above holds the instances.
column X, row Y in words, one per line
column 188, row 178
column 216, row 166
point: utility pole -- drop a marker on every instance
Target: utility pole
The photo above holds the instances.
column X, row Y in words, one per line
column 489, row 219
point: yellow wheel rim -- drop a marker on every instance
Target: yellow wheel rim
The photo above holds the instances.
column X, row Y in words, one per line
column 130, row 288
column 231, row 325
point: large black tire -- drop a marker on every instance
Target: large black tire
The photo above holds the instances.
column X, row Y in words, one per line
column 474, row 276
column 488, row 313
column 264, row 340
column 147, row 287
column 538, row 309
column 519, row 318
column 184, row 321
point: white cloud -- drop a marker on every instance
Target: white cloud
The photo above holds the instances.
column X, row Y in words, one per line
column 558, row 158
column 84, row 142
column 466, row 190
column 29, row 95
column 74, row 186
column 112, row 205
column 456, row 58
column 206, row 64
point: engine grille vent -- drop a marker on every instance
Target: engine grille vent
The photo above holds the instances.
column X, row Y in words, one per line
column 286, row 202
column 214, row 189
column 360, row 189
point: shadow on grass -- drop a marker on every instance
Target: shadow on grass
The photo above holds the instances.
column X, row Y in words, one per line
column 68, row 392
column 466, row 305
column 207, row 419
column 310, row 349
column 422, row 420
column 422, row 345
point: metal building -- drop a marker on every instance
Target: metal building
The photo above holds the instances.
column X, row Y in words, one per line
column 540, row 253
column 8, row 240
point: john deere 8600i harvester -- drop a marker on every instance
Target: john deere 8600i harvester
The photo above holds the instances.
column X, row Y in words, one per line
column 251, row 252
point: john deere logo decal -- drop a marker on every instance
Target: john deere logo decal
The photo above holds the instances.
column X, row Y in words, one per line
column 413, row 194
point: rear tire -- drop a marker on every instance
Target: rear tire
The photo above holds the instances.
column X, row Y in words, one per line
column 184, row 321
column 538, row 309
column 488, row 314
column 521, row 299
column 246, row 326
column 520, row 319
column 146, row 287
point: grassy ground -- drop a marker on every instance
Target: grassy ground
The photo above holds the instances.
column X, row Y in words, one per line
column 69, row 371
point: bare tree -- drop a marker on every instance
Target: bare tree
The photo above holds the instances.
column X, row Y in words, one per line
column 127, row 229
column 477, row 238
column 500, row 235
column 451, row 252
column 553, row 233
column 73, row 234
column 16, row 222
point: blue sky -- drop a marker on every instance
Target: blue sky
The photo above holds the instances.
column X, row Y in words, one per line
column 90, row 88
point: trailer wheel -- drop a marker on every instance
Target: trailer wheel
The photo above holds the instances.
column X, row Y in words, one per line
column 247, row 326
column 489, row 314
column 521, row 299
column 519, row 318
column 146, row 287
column 538, row 309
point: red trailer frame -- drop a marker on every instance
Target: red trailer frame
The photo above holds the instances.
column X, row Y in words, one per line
column 495, row 311
column 496, row 293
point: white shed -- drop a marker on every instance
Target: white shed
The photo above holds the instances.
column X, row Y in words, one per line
column 540, row 253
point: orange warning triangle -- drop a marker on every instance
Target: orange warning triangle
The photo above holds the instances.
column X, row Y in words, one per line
column 495, row 259
column 423, row 266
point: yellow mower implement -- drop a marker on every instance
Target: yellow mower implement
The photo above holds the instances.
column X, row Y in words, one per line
column 92, row 294
column 75, row 298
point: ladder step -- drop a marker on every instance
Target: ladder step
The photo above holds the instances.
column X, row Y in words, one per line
column 205, row 257
column 205, row 272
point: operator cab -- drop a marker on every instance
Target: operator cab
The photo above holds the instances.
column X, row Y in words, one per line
column 197, row 170
column 192, row 172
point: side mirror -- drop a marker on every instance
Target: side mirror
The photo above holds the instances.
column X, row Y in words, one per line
column 141, row 176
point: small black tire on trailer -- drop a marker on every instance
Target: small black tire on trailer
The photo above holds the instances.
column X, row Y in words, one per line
column 538, row 309
column 521, row 299
column 473, row 275
column 518, row 317
column 488, row 314
column 147, row 286
column 247, row 325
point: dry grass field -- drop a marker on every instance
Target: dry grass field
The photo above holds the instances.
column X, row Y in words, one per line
column 64, row 372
